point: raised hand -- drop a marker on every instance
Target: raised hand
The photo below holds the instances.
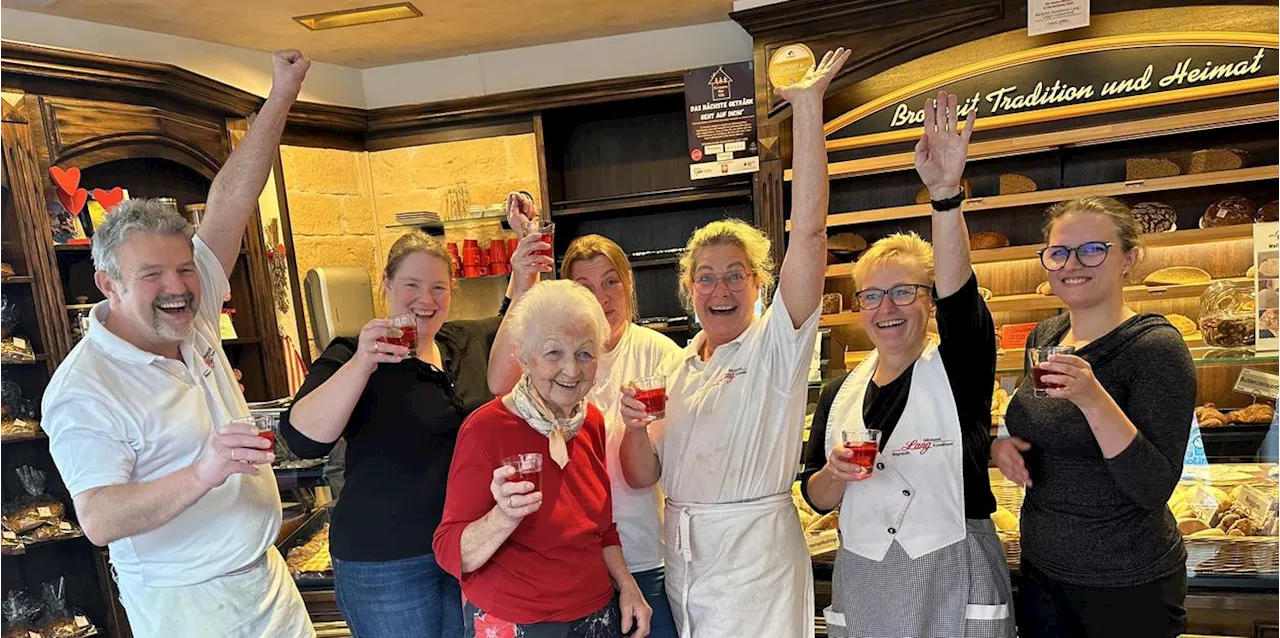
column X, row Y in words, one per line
column 521, row 212
column 943, row 149
column 370, row 352
column 814, row 84
column 288, row 69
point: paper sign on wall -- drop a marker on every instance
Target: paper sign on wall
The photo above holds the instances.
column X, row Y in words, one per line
column 1266, row 261
column 1051, row 16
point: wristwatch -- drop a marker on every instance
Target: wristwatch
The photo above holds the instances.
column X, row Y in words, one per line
column 950, row 203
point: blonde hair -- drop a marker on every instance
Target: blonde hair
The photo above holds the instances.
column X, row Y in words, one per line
column 555, row 303
column 415, row 242
column 1126, row 224
column 908, row 249
column 588, row 247
column 732, row 232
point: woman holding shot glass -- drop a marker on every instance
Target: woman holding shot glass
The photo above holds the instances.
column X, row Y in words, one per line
column 632, row 356
column 528, row 522
column 398, row 394
column 1099, row 429
column 900, row 443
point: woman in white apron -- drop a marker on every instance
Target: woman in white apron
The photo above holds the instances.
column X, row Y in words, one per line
column 729, row 444
column 919, row 555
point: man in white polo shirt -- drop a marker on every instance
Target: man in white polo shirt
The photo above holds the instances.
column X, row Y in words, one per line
column 140, row 414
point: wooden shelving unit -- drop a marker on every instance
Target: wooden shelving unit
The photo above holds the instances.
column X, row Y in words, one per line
column 655, row 199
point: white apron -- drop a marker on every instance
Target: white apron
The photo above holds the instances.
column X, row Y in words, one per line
column 258, row 601
column 910, row 563
column 738, row 569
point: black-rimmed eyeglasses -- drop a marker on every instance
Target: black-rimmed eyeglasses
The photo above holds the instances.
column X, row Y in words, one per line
column 900, row 295
column 1090, row 254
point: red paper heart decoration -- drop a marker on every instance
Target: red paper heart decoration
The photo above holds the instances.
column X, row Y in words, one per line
column 67, row 180
column 74, row 203
column 109, row 199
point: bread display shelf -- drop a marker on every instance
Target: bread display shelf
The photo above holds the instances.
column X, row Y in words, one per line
column 1154, row 240
column 1131, row 187
column 1009, row 360
column 1033, row 301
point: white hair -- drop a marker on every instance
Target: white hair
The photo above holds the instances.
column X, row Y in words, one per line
column 551, row 304
column 134, row 216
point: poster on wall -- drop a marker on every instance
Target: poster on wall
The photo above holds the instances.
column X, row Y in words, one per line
column 1266, row 260
column 1052, row 16
column 720, row 108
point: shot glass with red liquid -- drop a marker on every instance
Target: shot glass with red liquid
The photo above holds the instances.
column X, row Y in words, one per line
column 407, row 325
column 1039, row 356
column 864, row 444
column 528, row 467
column 266, row 427
column 548, row 232
column 652, row 392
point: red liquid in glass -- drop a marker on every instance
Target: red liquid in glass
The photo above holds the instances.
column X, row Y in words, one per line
column 408, row 338
column 655, row 401
column 546, row 239
column 269, row 435
column 1040, row 384
column 532, row 476
column 864, row 454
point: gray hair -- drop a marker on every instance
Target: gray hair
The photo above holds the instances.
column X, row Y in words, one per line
column 134, row 216
column 558, row 302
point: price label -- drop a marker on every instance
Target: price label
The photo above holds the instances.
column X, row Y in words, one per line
column 1258, row 383
column 18, row 424
column 1255, row 504
column 8, row 535
column 32, row 634
column 81, row 621
column 64, row 527
column 44, row 511
column 20, row 343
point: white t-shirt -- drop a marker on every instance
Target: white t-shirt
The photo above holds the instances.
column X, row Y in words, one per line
column 734, row 423
column 116, row 414
column 639, row 353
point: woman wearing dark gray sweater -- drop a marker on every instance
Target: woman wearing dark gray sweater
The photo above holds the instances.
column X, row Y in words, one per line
column 1100, row 455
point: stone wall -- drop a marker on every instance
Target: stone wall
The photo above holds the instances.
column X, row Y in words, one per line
column 341, row 202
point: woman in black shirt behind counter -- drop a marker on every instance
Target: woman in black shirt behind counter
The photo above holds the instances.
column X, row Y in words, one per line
column 399, row 412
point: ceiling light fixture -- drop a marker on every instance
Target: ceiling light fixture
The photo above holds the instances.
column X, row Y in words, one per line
column 363, row 15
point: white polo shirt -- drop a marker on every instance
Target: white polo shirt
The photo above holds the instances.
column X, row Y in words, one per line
column 640, row 353
column 116, row 415
column 734, row 423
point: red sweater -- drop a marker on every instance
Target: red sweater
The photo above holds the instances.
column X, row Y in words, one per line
column 551, row 568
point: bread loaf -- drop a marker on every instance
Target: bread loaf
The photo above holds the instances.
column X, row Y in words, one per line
column 1269, row 212
column 1155, row 217
column 1044, row 289
column 923, row 196
column 1231, row 211
column 1183, row 323
column 1013, row 183
column 1177, row 276
column 832, row 303
column 1149, row 167
column 985, row 240
column 1218, row 159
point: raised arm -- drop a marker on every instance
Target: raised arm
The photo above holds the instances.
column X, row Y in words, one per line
column 940, row 157
column 526, row 270
column 234, row 194
column 804, row 265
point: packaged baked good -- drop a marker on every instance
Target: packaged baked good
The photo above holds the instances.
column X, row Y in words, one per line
column 1155, row 217
column 36, row 508
column 1268, row 298
column 1269, row 268
column 1268, row 212
column 1013, row 183
column 1217, row 159
column 311, row 557
column 1227, row 315
column 20, row 613
column 1229, row 211
column 1149, row 168
column 985, row 240
column 60, row 620
column 1177, row 276
column 1183, row 323
column 1269, row 318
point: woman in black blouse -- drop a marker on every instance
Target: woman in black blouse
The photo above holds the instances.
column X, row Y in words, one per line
column 1100, row 456
column 399, row 412
column 919, row 555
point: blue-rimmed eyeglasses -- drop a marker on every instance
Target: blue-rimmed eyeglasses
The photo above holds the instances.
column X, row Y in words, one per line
column 900, row 295
column 1090, row 254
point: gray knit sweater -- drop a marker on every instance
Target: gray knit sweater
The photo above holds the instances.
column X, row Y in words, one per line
column 1100, row 522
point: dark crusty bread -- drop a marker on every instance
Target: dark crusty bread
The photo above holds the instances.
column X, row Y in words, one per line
column 1268, row 213
column 1149, row 167
column 1218, row 159
column 1155, row 217
column 1013, row 183
column 985, row 240
column 1230, row 211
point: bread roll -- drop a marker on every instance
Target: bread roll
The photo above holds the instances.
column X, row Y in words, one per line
column 846, row 243
column 1013, row 183
column 1177, row 276
column 1044, row 289
column 1191, row 525
column 1155, row 217
column 1208, row 416
column 1218, row 159
column 984, row 240
column 1148, row 168
column 1229, row 211
column 1207, row 533
column 1183, row 323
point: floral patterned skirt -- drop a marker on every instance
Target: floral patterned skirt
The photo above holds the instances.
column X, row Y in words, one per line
column 605, row 622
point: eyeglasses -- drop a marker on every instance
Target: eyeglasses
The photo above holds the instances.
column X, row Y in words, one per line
column 735, row 281
column 900, row 295
column 1090, row 254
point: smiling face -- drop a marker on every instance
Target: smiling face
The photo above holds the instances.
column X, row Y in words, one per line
column 723, row 312
column 599, row 276
column 894, row 329
column 421, row 285
column 1081, row 286
column 562, row 364
column 154, row 301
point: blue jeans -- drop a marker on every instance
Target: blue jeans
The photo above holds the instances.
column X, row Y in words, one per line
column 406, row 598
column 653, row 585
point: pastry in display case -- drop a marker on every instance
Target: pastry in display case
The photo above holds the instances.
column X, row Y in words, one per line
column 306, row 553
column 37, row 517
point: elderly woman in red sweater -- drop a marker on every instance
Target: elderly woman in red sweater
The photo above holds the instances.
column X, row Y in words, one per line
column 538, row 554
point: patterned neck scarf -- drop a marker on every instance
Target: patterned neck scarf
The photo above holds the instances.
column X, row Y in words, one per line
column 535, row 411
